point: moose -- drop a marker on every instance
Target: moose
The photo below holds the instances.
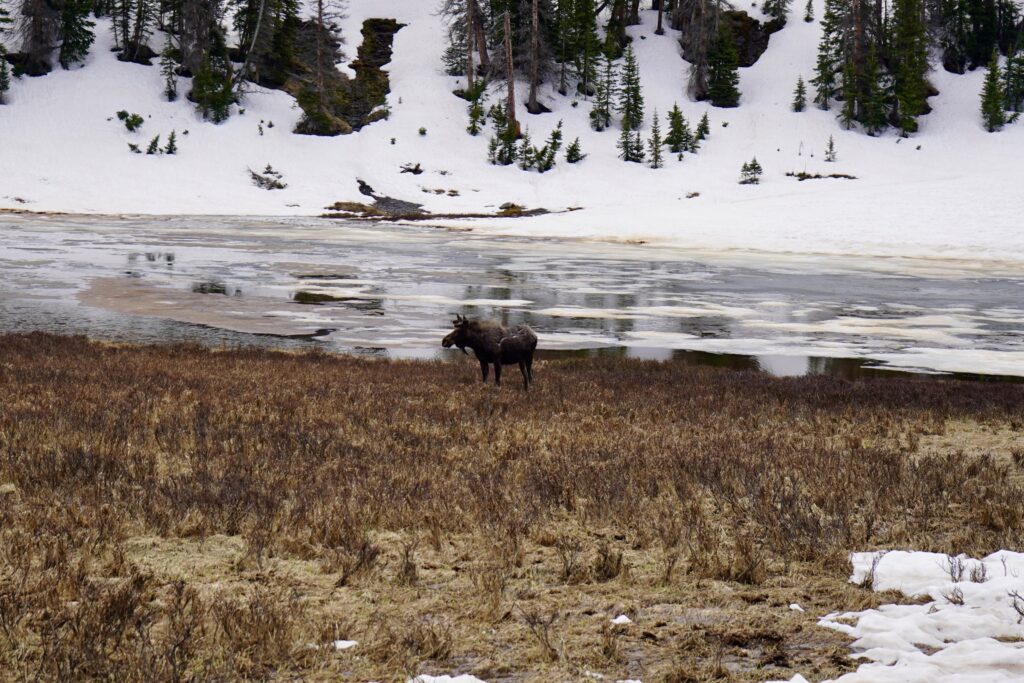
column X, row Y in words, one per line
column 493, row 343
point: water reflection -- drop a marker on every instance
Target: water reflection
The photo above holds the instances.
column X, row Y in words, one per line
column 393, row 291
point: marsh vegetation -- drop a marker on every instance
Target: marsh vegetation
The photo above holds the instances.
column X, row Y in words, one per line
column 174, row 513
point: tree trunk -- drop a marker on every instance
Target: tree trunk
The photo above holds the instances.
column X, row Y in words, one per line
column 661, row 14
column 510, row 77
column 634, row 13
column 533, row 106
column 470, row 35
column 481, row 44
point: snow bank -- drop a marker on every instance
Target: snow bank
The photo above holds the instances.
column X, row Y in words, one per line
column 950, row 192
column 969, row 630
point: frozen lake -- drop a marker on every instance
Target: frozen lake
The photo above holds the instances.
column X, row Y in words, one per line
column 389, row 290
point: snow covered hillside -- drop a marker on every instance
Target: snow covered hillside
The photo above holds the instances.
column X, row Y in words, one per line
column 950, row 191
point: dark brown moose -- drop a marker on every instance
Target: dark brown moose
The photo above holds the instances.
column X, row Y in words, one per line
column 493, row 343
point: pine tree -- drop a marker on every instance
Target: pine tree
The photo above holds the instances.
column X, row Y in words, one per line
column 910, row 61
column 848, row 114
column 5, row 77
column 703, row 128
column 631, row 98
column 606, row 90
column 168, row 69
column 800, row 95
column 809, row 11
column 723, row 70
column 76, row 32
column 527, row 154
column 154, row 146
column 676, row 123
column 574, row 153
column 545, row 157
column 777, row 10
column 873, row 102
column 502, row 150
column 993, row 98
column 830, row 149
column 212, row 86
column 689, row 141
column 831, row 51
column 587, row 46
column 631, row 147
column 750, row 172
column 172, row 143
column 654, row 143
column 1013, row 81
column 477, row 114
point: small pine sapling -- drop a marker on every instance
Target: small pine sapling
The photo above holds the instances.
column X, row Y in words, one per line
column 172, row 144
column 545, row 157
column 800, row 95
column 132, row 122
column 154, row 146
column 809, row 11
column 993, row 97
column 132, row 147
column 527, row 153
column 574, row 153
column 477, row 114
column 830, row 150
column 676, row 124
column 750, row 172
column 654, row 143
column 703, row 129
column 169, row 71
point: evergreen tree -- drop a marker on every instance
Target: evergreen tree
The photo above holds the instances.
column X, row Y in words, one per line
column 777, row 10
column 546, row 156
column 750, row 172
column 212, row 86
column 631, row 147
column 631, row 99
column 676, row 124
column 723, row 69
column 800, row 95
column 574, row 153
column 527, row 154
column 831, row 52
column 587, row 45
column 168, row 69
column 172, row 143
column 1013, row 81
column 76, row 32
column 809, row 11
column 502, row 150
column 606, row 90
column 5, row 77
column 477, row 114
column 689, row 140
column 910, row 63
column 873, row 102
column 703, row 128
column 654, row 143
column 848, row 114
column 993, row 97
column 154, row 146
column 830, row 149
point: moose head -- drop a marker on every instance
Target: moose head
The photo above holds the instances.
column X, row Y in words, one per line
column 458, row 337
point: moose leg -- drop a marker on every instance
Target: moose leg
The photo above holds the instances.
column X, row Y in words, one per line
column 497, row 373
column 484, row 370
column 526, row 377
column 529, row 366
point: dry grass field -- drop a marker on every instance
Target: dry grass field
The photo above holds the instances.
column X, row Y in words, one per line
column 177, row 514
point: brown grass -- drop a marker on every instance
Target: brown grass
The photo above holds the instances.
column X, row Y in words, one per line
column 175, row 513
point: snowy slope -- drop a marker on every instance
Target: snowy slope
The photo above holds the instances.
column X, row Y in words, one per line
column 952, row 191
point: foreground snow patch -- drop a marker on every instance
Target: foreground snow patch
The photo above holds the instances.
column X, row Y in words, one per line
column 969, row 631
